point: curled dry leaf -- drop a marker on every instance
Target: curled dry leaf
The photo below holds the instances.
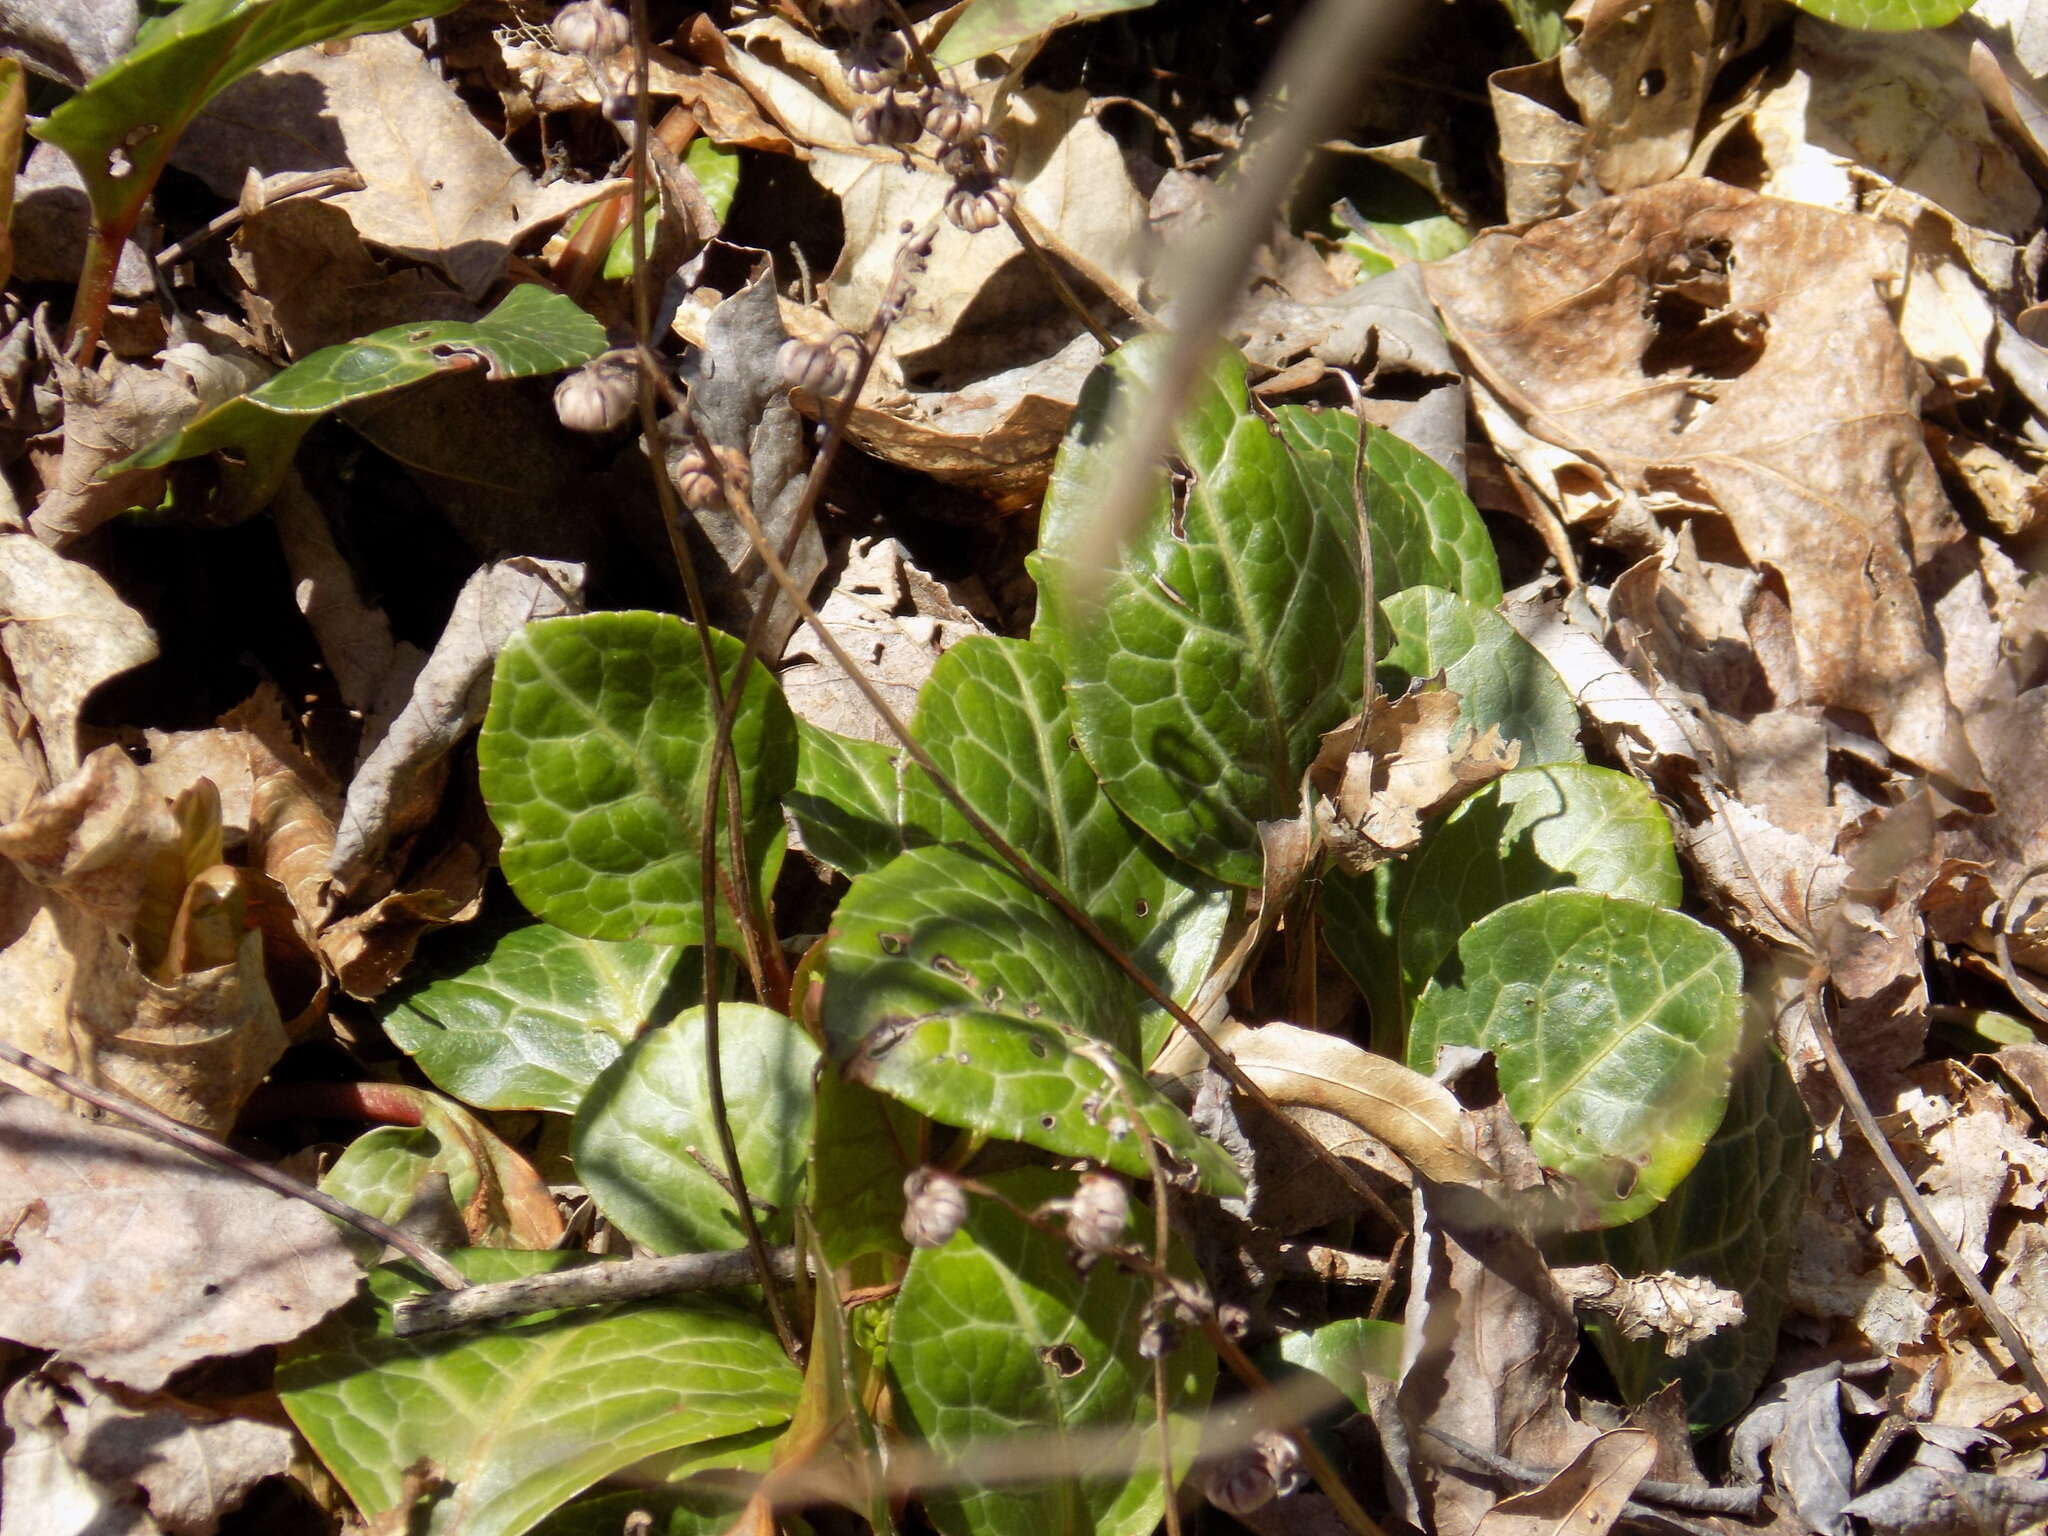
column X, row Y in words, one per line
column 135, row 1260
column 439, row 186
column 1639, row 362
column 1679, row 1309
column 1379, row 779
column 1586, row 1496
column 399, row 784
column 141, row 1463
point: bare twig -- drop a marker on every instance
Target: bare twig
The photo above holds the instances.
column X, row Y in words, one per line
column 1743, row 1503
column 1933, row 1241
column 588, row 1285
column 2001, row 916
column 155, row 1123
column 318, row 184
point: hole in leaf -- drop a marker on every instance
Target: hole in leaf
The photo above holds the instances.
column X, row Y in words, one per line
column 893, row 943
column 1038, row 1049
column 1047, row 1122
column 1063, row 1358
column 1144, row 907
column 1692, row 339
column 1650, row 84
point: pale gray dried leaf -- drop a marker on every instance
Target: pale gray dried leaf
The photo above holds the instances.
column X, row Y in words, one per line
column 1934, row 1496
column 440, row 187
column 135, row 1260
column 739, row 400
column 354, row 636
column 397, row 787
column 64, row 631
column 895, row 620
column 70, row 42
column 1798, row 1422
column 1682, row 1310
column 172, row 1465
column 52, row 217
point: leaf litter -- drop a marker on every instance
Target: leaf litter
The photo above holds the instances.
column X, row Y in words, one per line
column 1753, row 362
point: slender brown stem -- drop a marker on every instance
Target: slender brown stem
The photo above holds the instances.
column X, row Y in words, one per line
column 95, row 287
column 1348, row 1508
column 155, row 1123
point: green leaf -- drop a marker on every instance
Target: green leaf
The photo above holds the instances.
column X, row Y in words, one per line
column 522, row 1415
column 1615, row 1024
column 718, row 175
column 119, row 130
column 863, row 1145
column 527, row 1019
column 1356, row 913
column 954, row 988
column 593, row 758
column 1541, row 23
column 857, row 804
column 1536, row 829
column 1227, row 637
column 1501, row 679
column 987, row 26
column 638, row 1125
column 1425, row 530
column 531, row 332
column 670, row 1488
column 997, row 1336
column 832, row 1424
column 1886, row 15
column 994, row 717
column 1345, row 1352
column 1732, row 1221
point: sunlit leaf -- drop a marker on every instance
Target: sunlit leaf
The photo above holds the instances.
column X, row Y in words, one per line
column 986, row 26
column 1500, row 678
column 1887, row 15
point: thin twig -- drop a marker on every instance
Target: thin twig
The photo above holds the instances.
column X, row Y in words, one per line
column 319, row 183
column 588, row 1285
column 1744, row 1503
column 643, row 330
column 1933, row 1241
column 2001, row 941
column 155, row 1123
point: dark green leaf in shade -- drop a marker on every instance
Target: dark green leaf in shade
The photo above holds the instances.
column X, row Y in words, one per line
column 532, row 331
column 527, row 1019
column 673, row 1488
column 952, row 986
column 593, row 758
column 1425, row 530
column 997, row 1336
column 1615, row 1024
column 1732, row 1221
column 646, row 1142
column 863, row 1145
column 1227, row 635
column 1500, row 678
column 522, row 1415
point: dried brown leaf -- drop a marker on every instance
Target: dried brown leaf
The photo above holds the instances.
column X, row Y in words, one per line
column 134, row 1260
column 1585, row 1498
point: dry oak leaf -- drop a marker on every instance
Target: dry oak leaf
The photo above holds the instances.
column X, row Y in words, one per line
column 135, row 1260
column 1693, row 351
column 1379, row 780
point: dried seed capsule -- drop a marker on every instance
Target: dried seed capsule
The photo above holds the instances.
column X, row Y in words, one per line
column 951, row 118
column 980, row 204
column 1250, row 1479
column 937, row 1207
column 875, row 60
column 695, row 483
column 598, row 396
column 824, row 371
column 1096, row 1214
column 888, row 121
column 591, row 28
column 854, row 15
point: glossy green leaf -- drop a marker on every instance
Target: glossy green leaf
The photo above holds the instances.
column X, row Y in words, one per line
column 1345, row 1352
column 857, row 804
column 953, row 987
column 994, row 717
column 523, row 1414
column 1886, row 15
column 120, row 129
column 718, row 177
column 646, row 1140
column 986, row 26
column 1615, row 1025
column 532, row 331
column 997, row 1336
column 863, row 1145
column 1536, row 829
column 1501, row 679
column 593, row 759
column 1227, row 637
column 1732, row 1221
column 527, row 1019
column 673, row 1488
column 1425, row 530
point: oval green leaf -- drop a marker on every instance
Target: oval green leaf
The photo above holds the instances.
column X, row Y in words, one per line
column 1500, row 678
column 527, row 1019
column 593, row 758
column 646, row 1142
column 522, row 1415
column 997, row 1336
column 953, row 987
column 1226, row 638
column 1732, row 1221
column 1425, row 530
column 987, row 26
column 857, row 804
column 1886, row 15
column 1615, row 1024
